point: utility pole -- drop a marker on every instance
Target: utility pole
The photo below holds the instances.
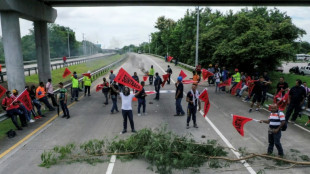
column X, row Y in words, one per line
column 149, row 44
column 69, row 45
column 197, row 38
column 84, row 50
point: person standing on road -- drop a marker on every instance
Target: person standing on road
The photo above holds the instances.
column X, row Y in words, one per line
column 111, row 77
column 192, row 98
column 40, row 95
column 141, row 99
column 158, row 81
column 151, row 75
column 105, row 90
column 265, row 87
column 297, row 96
column 75, row 87
column 127, row 109
column 63, row 95
column 136, row 77
column 196, row 77
column 50, row 92
column 198, row 70
column 169, row 71
column 276, row 121
column 258, row 93
column 217, row 77
column 87, row 83
column 211, row 78
column 282, row 85
column 113, row 94
column 236, row 78
column 178, row 97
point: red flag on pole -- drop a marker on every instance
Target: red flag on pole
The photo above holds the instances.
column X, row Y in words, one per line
column 239, row 122
column 99, row 87
column 225, row 83
column 145, row 78
column 66, row 73
column 205, row 98
column 2, row 91
column 251, row 86
column 182, row 74
column 278, row 96
column 188, row 81
column 169, row 58
column 206, row 74
column 283, row 102
column 87, row 74
column 165, row 77
column 125, row 79
column 25, row 99
column 235, row 88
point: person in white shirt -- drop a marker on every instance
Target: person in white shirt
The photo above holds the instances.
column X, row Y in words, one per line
column 217, row 77
column 50, row 91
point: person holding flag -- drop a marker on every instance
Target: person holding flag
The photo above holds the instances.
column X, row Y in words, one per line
column 169, row 71
column 151, row 75
column 22, row 108
column 75, row 87
column 157, row 83
column 178, row 97
column 62, row 99
column 276, row 121
column 87, row 80
column 193, row 101
column 113, row 94
column 141, row 99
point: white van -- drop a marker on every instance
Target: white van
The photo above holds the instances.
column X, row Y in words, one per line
column 304, row 70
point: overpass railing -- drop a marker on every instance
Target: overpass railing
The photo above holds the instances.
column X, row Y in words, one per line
column 305, row 111
column 95, row 74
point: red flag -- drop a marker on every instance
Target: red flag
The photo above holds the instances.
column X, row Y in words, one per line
column 235, row 88
column 145, row 78
column 25, row 99
column 66, row 73
column 2, row 91
column 188, row 81
column 182, row 74
column 125, row 79
column 225, row 83
column 165, row 77
column 169, row 58
column 238, row 123
column 99, row 87
column 279, row 95
column 206, row 74
column 150, row 92
column 87, row 74
column 134, row 99
column 283, row 102
column 251, row 86
column 205, row 97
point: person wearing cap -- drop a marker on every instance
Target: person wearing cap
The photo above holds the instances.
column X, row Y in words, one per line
column 157, row 83
column 63, row 95
column 75, row 87
column 236, row 78
column 50, row 91
column 11, row 108
column 111, row 77
column 178, row 97
column 192, row 98
column 169, row 71
column 87, row 83
column 41, row 96
column 211, row 78
column 151, row 75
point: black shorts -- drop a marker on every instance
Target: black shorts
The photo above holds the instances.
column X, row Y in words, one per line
column 257, row 98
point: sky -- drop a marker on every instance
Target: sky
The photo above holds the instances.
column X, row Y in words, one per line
column 114, row 27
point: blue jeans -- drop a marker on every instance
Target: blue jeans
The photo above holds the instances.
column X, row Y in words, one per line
column 13, row 114
column 274, row 139
column 114, row 101
column 37, row 104
column 127, row 114
column 25, row 112
column 141, row 102
column 216, row 86
column 64, row 107
column 179, row 108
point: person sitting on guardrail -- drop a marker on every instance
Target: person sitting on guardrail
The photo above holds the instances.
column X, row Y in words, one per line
column 75, row 87
column 12, row 111
column 63, row 95
column 105, row 90
column 87, row 83
column 35, row 103
column 50, row 92
column 22, row 108
column 111, row 77
column 296, row 99
column 41, row 96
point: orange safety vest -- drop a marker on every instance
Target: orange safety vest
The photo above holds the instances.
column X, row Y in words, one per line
column 40, row 90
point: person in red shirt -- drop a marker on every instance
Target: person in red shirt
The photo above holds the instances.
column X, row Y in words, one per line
column 64, row 58
column 12, row 110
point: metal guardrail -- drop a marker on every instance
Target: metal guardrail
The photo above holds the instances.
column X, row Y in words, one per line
column 304, row 111
column 95, row 74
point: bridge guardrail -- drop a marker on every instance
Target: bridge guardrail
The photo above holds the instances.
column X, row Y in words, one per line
column 95, row 74
column 304, row 111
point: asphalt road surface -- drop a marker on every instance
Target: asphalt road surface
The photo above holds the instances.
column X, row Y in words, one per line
column 91, row 119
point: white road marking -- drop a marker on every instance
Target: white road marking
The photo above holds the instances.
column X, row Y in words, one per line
column 237, row 154
column 111, row 164
column 302, row 127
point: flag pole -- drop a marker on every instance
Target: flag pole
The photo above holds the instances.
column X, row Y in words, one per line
column 17, row 97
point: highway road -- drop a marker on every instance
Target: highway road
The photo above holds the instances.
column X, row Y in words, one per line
column 91, row 119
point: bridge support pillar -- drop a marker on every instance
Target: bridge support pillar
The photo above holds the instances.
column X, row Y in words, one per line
column 42, row 49
column 13, row 50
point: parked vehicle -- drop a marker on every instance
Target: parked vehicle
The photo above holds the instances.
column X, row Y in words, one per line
column 304, row 70
column 304, row 57
column 279, row 69
column 295, row 70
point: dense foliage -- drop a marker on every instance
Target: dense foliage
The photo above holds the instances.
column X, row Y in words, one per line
column 244, row 39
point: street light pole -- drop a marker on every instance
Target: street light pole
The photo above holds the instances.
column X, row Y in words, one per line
column 197, row 38
column 68, row 44
column 149, row 44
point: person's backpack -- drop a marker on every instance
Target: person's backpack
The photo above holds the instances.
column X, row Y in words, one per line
column 170, row 71
column 11, row 133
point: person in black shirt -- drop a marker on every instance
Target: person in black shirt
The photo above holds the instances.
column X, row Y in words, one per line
column 135, row 76
column 178, row 97
column 265, row 87
column 282, row 85
column 35, row 102
column 296, row 99
column 157, row 84
column 258, row 93
column 141, row 99
column 113, row 95
column 193, row 100
column 169, row 71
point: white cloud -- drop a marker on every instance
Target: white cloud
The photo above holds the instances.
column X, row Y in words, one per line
column 127, row 25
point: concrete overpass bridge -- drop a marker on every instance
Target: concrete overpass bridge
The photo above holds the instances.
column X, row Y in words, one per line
column 42, row 12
